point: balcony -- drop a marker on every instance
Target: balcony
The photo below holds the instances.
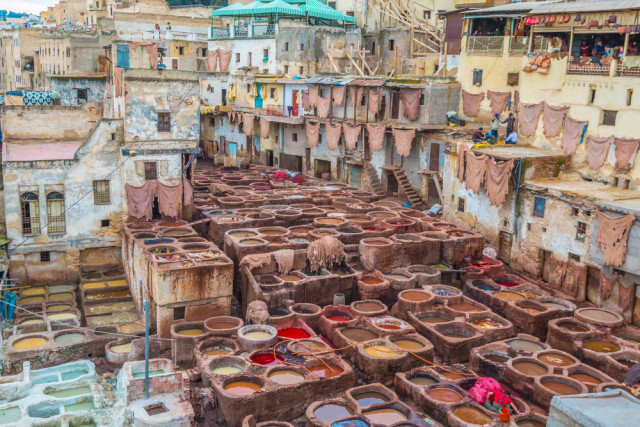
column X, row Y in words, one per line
column 485, row 45
column 473, row 3
column 250, row 31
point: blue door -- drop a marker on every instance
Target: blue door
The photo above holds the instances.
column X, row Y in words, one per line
column 233, row 149
column 123, row 55
column 259, row 96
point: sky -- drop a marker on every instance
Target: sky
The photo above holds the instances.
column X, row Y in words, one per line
column 30, row 6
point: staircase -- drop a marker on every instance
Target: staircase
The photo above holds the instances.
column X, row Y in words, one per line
column 374, row 182
column 408, row 190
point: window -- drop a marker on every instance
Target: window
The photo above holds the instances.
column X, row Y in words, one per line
column 101, row 192
column 332, row 4
column 105, row 222
column 180, row 50
column 513, row 79
column 55, row 212
column 265, row 53
column 45, row 256
column 294, row 136
column 586, row 213
column 237, row 57
column 528, row 226
column 539, row 204
column 82, row 96
column 150, row 171
column 286, row 46
column 273, row 93
column 581, row 230
column 461, row 203
column 477, row 77
column 178, row 313
column 592, row 96
column 427, row 15
column 286, row 69
column 350, row 13
column 629, row 96
column 574, row 257
column 301, row 46
column 575, row 211
column 422, row 99
column 68, row 52
column 164, row 122
column 113, row 136
column 392, row 44
column 30, row 213
column 301, row 71
column 609, row 117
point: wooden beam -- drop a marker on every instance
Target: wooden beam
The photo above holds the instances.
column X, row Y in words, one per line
column 364, row 61
column 349, row 55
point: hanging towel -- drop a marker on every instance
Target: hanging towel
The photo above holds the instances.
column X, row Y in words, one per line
column 625, row 295
column 475, row 171
column 471, row 103
column 553, row 120
column 351, row 134
column 498, row 177
column 324, row 104
column 187, row 192
column 613, row 233
column 212, row 60
column 117, row 80
column 265, row 127
column 337, row 93
column 306, row 104
column 376, row 136
column 152, row 51
column 374, row 101
column 499, row 101
column 247, row 123
column 313, row 133
column 572, row 135
column 169, row 198
column 356, row 95
column 333, row 135
column 403, row 139
column 597, row 150
column 528, row 118
column 411, row 103
column 140, row 200
column 314, row 92
column 224, row 57
column 606, row 286
column 625, row 152
column 515, row 105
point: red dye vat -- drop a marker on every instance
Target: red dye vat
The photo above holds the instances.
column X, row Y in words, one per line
column 374, row 229
column 481, row 264
column 266, row 359
column 507, row 284
column 340, row 318
column 293, row 333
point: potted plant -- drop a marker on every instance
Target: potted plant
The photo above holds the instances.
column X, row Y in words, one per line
column 507, row 31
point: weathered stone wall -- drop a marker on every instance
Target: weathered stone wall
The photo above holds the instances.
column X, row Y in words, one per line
column 30, row 122
column 67, row 88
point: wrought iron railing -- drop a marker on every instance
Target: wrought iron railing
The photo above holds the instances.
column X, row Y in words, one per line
column 485, row 45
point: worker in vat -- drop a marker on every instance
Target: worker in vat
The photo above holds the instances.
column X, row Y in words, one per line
column 632, row 380
column 489, row 393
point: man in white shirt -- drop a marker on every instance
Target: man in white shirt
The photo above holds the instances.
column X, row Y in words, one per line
column 512, row 138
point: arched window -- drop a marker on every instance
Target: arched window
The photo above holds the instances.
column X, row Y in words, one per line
column 30, row 213
column 55, row 213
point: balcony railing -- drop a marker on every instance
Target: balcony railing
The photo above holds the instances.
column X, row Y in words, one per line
column 485, row 45
column 589, row 70
column 518, row 46
column 245, row 31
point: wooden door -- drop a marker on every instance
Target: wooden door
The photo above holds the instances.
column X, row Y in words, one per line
column 356, row 176
column 504, row 250
column 258, row 100
column 395, row 104
column 593, row 285
column 545, row 258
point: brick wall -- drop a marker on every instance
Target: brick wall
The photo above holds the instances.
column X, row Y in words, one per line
column 169, row 383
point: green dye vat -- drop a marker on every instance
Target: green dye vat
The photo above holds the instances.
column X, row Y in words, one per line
column 106, row 320
column 69, row 392
column 70, row 338
column 60, row 288
column 66, row 376
column 108, row 308
column 10, row 415
column 84, row 406
column 151, row 374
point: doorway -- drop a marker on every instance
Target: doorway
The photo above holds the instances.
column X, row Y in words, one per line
column 545, row 258
column 593, row 284
column 504, row 250
column 258, row 101
column 395, row 104
column 294, row 103
column 434, row 165
column 356, row 176
column 322, row 167
column 156, row 209
column 269, row 154
column 392, row 184
column 307, row 158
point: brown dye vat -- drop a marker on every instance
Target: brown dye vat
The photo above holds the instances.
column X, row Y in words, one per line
column 463, row 306
column 602, row 346
column 454, row 335
column 509, row 296
column 31, row 300
column 329, row 221
column 628, row 363
column 61, row 297
column 408, row 344
column 370, row 398
column 597, row 314
column 376, row 243
column 300, row 230
column 555, row 359
column 242, row 388
column 471, row 415
column 560, row 388
column 531, row 310
column 530, row 368
column 486, row 324
column 453, row 376
column 272, row 232
column 415, row 296
column 397, row 276
column 242, row 234
column 368, row 306
column 422, row 380
column 445, row 395
column 498, row 358
column 529, row 423
column 573, row 327
column 529, row 294
column 331, row 412
column 251, row 242
column 286, row 377
column 631, row 340
column 222, row 325
column 433, row 319
column 554, row 305
column 324, row 371
column 171, row 224
column 371, row 281
column 385, row 416
column 358, row 334
column 525, row 345
column 59, row 307
column 382, row 215
column 585, row 378
column 290, row 278
column 389, row 326
column 217, row 351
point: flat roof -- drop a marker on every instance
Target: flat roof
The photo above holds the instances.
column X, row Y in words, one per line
column 517, row 152
column 591, row 190
column 511, row 8
column 29, row 151
column 586, row 6
column 623, row 206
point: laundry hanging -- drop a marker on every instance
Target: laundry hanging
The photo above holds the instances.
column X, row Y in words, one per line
column 553, row 120
column 169, row 198
column 403, row 139
column 212, row 60
column 597, row 150
column 374, row 101
column 351, row 134
column 625, row 152
column 497, row 180
column 376, row 136
column 247, row 123
column 471, row 103
column 224, row 57
column 571, row 135
column 606, row 286
column 324, row 105
column 140, row 200
column 187, row 192
column 411, row 103
column 306, row 104
column 152, row 51
column 612, row 237
column 313, row 133
column 499, row 101
column 337, row 94
column 475, row 171
column 265, row 127
column 356, row 95
column 333, row 133
column 528, row 118
column 314, row 92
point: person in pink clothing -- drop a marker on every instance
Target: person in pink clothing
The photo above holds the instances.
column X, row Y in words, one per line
column 488, row 392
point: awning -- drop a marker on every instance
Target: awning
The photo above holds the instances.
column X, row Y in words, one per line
column 496, row 15
column 586, row 6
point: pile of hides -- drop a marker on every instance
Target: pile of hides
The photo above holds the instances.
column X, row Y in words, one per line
column 612, row 237
column 325, row 252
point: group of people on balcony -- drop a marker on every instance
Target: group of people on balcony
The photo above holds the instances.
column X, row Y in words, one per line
column 511, row 137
